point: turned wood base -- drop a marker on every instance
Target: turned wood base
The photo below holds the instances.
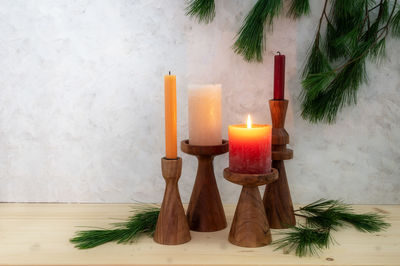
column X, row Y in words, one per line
column 205, row 212
column 250, row 226
column 277, row 200
column 172, row 227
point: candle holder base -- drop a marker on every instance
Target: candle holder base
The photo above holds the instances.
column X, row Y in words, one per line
column 250, row 224
column 205, row 212
column 172, row 227
column 277, row 200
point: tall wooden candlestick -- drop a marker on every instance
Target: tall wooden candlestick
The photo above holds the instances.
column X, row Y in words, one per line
column 172, row 227
column 205, row 212
column 250, row 225
column 277, row 200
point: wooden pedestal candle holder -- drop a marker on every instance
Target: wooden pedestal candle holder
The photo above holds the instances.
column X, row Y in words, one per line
column 250, row 224
column 172, row 227
column 205, row 212
column 277, row 200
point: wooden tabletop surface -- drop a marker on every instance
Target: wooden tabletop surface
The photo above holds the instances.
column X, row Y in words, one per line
column 39, row 233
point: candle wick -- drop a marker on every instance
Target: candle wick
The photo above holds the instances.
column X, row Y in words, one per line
column 279, row 53
column 169, row 72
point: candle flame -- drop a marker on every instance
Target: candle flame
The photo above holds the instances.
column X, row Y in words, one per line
column 248, row 121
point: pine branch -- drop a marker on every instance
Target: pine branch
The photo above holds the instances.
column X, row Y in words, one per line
column 322, row 217
column 368, row 222
column 305, row 241
column 326, row 92
column 203, row 10
column 299, row 8
column 396, row 24
column 334, row 214
column 143, row 222
column 250, row 42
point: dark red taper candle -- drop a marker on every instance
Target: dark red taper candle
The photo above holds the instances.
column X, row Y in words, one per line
column 279, row 77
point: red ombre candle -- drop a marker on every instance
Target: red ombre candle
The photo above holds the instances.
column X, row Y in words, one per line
column 279, row 77
column 250, row 148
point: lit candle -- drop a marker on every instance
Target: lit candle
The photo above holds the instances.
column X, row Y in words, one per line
column 205, row 115
column 279, row 77
column 250, row 148
column 170, row 116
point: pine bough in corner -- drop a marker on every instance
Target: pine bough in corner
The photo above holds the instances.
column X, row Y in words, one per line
column 356, row 31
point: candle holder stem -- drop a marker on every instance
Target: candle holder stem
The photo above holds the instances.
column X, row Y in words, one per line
column 172, row 227
column 250, row 226
column 277, row 200
column 205, row 212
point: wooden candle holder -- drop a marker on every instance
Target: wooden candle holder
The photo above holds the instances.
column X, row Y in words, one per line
column 205, row 212
column 250, row 224
column 172, row 227
column 277, row 200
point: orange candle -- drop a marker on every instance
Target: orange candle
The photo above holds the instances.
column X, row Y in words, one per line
column 250, row 148
column 170, row 117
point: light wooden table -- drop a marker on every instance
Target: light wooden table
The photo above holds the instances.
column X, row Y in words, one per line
column 38, row 234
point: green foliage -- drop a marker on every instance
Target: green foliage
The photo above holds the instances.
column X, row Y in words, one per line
column 305, row 241
column 250, row 42
column 368, row 222
column 321, row 218
column 203, row 10
column 396, row 23
column 143, row 222
column 317, row 62
column 355, row 31
column 333, row 214
column 298, row 8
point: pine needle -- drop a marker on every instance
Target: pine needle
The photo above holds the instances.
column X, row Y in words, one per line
column 203, row 10
column 250, row 42
column 143, row 222
column 367, row 222
column 335, row 213
column 355, row 32
column 305, row 241
column 316, row 62
column 299, row 8
column 322, row 217
column 396, row 23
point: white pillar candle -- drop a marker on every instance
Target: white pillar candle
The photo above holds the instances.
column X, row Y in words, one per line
column 205, row 114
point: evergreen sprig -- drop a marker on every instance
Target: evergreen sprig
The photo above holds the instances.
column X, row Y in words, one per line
column 203, row 10
column 305, row 241
column 250, row 41
column 298, row 8
column 321, row 218
column 334, row 213
column 143, row 222
column 355, row 32
column 396, row 23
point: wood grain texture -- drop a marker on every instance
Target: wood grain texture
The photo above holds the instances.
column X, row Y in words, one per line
column 251, row 180
column 38, row 234
column 279, row 136
column 286, row 154
column 278, row 110
column 250, row 224
column 277, row 199
column 205, row 212
column 205, row 150
column 172, row 227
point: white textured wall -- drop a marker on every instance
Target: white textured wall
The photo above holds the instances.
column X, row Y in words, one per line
column 81, row 103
